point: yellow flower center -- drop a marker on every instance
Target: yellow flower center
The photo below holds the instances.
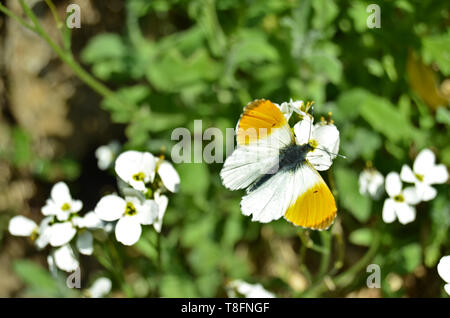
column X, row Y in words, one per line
column 419, row 177
column 65, row 207
column 399, row 198
column 140, row 176
column 130, row 209
column 313, row 143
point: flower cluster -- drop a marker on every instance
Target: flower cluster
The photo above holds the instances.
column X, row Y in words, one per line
column 143, row 178
column 401, row 201
column 62, row 228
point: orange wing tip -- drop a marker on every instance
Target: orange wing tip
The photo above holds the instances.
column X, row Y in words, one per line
column 314, row 209
column 258, row 121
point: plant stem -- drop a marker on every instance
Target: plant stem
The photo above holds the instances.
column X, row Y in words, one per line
column 348, row 276
column 10, row 14
column 65, row 56
column 325, row 259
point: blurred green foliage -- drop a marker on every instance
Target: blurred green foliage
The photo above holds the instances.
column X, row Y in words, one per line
column 176, row 61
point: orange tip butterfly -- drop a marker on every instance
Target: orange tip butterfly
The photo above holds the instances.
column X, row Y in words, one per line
column 278, row 173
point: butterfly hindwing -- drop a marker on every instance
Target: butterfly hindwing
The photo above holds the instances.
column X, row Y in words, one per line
column 301, row 196
column 314, row 206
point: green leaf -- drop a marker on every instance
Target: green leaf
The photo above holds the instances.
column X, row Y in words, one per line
column 443, row 115
column 195, row 178
column 361, row 237
column 411, row 256
column 349, row 196
column 102, row 47
column 22, row 147
column 172, row 71
column 132, row 96
column 349, row 103
column 360, row 142
column 436, row 49
column 386, row 119
column 36, row 277
column 177, row 286
column 328, row 65
column 325, row 11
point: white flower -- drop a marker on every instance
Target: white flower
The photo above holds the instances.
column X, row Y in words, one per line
column 105, row 154
column 162, row 202
column 61, row 203
column 371, row 183
column 44, row 232
column 64, row 258
column 22, row 226
column 248, row 290
column 322, row 137
column 131, row 213
column 287, row 108
column 443, row 269
column 399, row 204
column 169, row 176
column 61, row 233
column 136, row 168
column 425, row 173
column 100, row 288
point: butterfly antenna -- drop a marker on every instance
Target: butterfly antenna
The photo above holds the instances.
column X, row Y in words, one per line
column 332, row 153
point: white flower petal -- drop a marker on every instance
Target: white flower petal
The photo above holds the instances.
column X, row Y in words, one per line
column 110, row 208
column 76, row 206
column 169, row 176
column 162, row 202
column 60, row 193
column 65, row 258
column 443, row 268
column 436, row 175
column 303, row 130
column 100, row 288
column 407, row 175
column 411, row 196
column 62, row 215
column 44, row 232
column 320, row 159
column 393, row 184
column 147, row 212
column 132, row 162
column 90, row 220
column 50, row 208
column 128, row 230
column 61, row 233
column 426, row 192
column 424, row 162
column 327, row 137
column 148, row 165
column 85, row 243
column 405, row 213
column 127, row 164
column 21, row 226
column 389, row 211
column 447, row 288
column 251, row 290
column 52, row 266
